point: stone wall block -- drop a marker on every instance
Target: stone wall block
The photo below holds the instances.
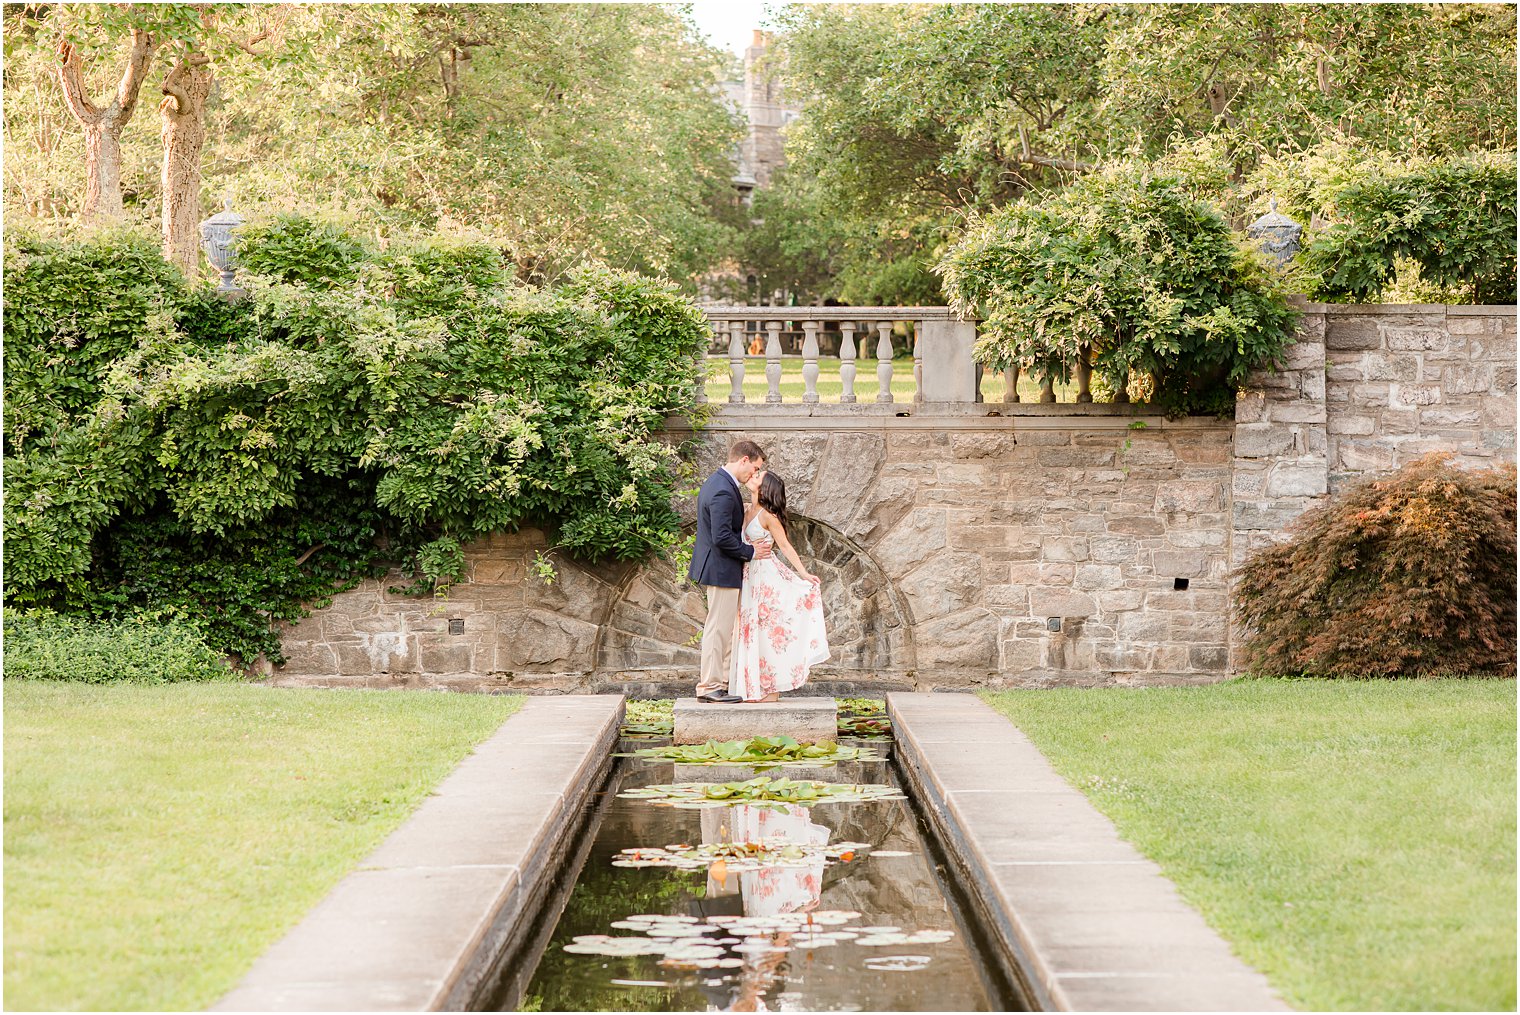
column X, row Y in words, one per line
column 1093, row 577
column 1304, row 355
column 881, row 507
column 965, row 640
column 536, row 638
column 1417, row 339
column 1179, row 563
column 920, row 533
column 1344, row 333
column 1055, row 602
column 850, row 467
column 1304, row 478
column 1250, row 406
column 1120, row 601
column 1298, row 412
column 1468, row 379
column 1354, row 425
column 942, row 585
column 1262, row 440
column 1364, row 456
column 1189, row 496
column 1449, row 417
column 1113, row 549
column 1379, row 366
column 1414, row 394
column 1065, row 548
column 310, row 657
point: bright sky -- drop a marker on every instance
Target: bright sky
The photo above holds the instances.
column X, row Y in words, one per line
column 730, row 24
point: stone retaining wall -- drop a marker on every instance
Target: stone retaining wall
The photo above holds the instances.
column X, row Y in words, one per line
column 976, row 545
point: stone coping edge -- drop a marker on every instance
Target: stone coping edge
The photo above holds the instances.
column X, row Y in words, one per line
column 421, row 923
column 1083, row 920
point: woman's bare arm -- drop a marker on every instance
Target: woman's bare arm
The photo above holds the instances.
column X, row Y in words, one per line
column 782, row 543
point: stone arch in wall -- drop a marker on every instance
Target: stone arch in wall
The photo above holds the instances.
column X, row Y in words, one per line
column 655, row 622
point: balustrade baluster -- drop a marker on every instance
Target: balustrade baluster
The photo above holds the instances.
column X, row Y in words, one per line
column 847, row 361
column 918, row 362
column 1011, row 384
column 884, row 361
column 736, row 362
column 1121, row 397
column 810, row 361
column 1084, row 374
column 773, row 361
column 1047, row 389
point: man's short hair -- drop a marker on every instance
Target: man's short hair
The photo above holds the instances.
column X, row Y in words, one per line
column 746, row 449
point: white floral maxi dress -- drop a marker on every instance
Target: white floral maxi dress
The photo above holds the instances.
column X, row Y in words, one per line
column 779, row 634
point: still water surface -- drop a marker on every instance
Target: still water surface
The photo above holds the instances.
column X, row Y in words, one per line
column 777, row 974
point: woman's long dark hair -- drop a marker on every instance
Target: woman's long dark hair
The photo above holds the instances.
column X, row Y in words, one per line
column 772, row 497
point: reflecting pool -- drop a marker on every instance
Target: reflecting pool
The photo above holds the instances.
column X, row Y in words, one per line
column 843, row 907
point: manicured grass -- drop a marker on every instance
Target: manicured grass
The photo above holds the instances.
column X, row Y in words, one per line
column 866, row 385
column 1355, row 841
column 159, row 839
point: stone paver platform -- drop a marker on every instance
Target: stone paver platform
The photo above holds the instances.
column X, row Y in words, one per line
column 806, row 720
column 417, row 925
column 1087, row 922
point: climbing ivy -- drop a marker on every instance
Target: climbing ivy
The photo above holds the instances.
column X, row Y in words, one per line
column 233, row 464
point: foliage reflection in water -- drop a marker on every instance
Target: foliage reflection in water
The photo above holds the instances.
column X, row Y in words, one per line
column 853, row 916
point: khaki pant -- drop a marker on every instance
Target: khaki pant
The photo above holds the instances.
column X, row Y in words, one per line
column 718, row 639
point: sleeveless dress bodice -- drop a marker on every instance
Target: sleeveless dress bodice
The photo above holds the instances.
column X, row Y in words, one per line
column 779, row 633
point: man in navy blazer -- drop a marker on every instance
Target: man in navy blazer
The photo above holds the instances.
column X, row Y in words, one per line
column 717, row 564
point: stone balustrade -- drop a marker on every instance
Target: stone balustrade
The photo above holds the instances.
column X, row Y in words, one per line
column 944, row 368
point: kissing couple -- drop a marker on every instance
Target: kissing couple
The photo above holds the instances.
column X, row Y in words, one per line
column 764, row 627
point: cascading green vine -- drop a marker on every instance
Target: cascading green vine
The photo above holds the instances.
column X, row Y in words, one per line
column 232, row 465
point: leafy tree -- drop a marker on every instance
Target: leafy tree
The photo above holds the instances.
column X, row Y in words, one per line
column 562, row 130
column 920, row 115
column 1126, row 268
column 1402, row 575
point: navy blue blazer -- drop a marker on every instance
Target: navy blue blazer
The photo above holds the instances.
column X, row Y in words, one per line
column 719, row 555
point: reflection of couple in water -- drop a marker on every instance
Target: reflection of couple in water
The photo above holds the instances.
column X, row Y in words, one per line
column 769, row 891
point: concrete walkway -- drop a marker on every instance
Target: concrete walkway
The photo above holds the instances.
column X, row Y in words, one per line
column 416, row 926
column 1092, row 924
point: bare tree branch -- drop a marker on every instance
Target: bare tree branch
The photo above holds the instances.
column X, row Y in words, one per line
column 141, row 58
column 71, row 77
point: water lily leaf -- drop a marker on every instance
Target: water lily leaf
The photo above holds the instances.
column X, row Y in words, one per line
column 930, row 937
column 760, row 790
column 898, row 963
column 882, row 940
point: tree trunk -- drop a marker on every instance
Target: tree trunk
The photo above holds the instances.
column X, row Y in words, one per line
column 184, row 133
column 103, row 124
column 102, row 185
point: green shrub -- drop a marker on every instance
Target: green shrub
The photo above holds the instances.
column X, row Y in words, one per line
column 1409, row 574
column 294, row 248
column 137, row 650
column 238, row 463
column 1454, row 218
column 71, row 311
column 1128, row 264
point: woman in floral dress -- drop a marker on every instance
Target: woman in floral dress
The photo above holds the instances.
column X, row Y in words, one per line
column 779, row 635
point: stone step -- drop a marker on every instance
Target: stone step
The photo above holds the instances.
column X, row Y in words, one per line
column 806, row 720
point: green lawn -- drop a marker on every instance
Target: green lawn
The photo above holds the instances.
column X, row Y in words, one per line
column 1355, row 841
column 866, row 386
column 158, row 839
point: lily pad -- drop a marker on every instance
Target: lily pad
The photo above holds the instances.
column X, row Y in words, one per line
column 762, row 752
column 898, row 963
column 891, row 852
column 761, row 790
